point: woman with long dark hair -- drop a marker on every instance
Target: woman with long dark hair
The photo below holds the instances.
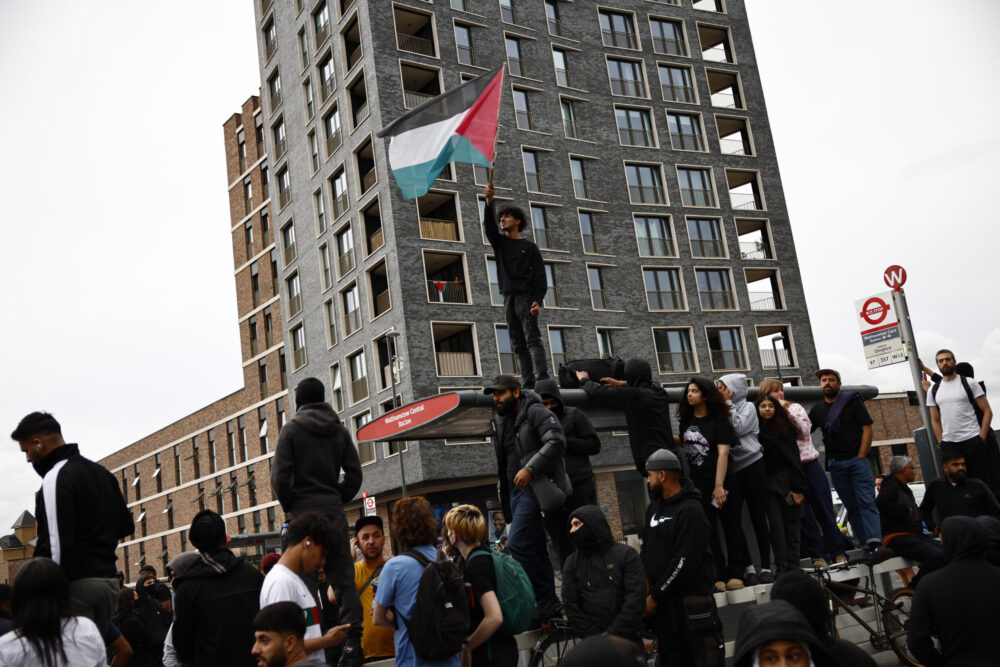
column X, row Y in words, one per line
column 45, row 631
column 706, row 438
column 786, row 482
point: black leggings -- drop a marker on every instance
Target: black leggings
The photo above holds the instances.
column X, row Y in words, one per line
column 750, row 485
column 786, row 527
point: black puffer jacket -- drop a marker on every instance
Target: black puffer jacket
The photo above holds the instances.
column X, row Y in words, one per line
column 898, row 509
column 215, row 604
column 539, row 442
column 604, row 583
column 312, row 450
column 647, row 411
column 581, row 438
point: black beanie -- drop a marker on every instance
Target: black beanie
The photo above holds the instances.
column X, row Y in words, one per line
column 208, row 531
column 309, row 391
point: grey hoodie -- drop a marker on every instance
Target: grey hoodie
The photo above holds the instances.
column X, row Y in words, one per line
column 743, row 416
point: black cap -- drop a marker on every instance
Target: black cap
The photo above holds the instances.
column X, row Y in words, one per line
column 503, row 382
column 373, row 520
column 208, row 531
column 309, row 391
column 663, row 459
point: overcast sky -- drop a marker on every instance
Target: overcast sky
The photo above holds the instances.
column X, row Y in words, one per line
column 118, row 293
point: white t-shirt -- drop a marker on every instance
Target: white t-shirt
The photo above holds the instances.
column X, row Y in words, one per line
column 958, row 417
column 82, row 643
column 283, row 585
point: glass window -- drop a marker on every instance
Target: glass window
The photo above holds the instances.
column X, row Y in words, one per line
column 540, row 226
column 668, row 37
column 685, row 132
column 674, row 353
column 598, row 297
column 557, row 343
column 715, row 289
column 626, row 78
column 587, row 231
column 706, row 237
column 618, row 30
column 663, row 289
column 696, row 187
column 645, row 184
column 654, row 236
column 635, row 127
column 675, row 84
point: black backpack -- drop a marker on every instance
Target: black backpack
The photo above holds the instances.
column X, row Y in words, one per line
column 609, row 367
column 968, row 394
column 440, row 620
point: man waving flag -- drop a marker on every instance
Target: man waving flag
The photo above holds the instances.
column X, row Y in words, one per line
column 459, row 125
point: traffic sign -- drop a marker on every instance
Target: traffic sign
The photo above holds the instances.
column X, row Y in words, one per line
column 879, row 324
column 369, row 505
column 894, row 277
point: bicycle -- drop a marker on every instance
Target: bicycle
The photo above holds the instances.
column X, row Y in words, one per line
column 892, row 611
column 558, row 639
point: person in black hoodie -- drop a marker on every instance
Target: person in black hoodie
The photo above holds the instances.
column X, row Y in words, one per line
column 81, row 515
column 216, row 600
column 646, row 408
column 902, row 526
column 313, row 448
column 604, row 583
column 774, row 631
column 146, row 651
column 581, row 443
column 960, row 603
column 680, row 568
column 786, row 483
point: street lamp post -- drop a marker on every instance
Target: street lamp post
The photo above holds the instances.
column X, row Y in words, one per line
column 777, row 361
column 392, row 336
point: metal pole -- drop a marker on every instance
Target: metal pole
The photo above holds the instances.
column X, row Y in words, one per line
column 777, row 362
column 910, row 345
column 392, row 377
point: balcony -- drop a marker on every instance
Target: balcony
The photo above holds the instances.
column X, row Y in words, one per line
column 339, row 205
column 352, row 321
column 665, row 300
column 368, row 180
column 767, row 358
column 413, row 98
column 359, row 389
column 754, row 250
column 360, row 113
column 353, row 58
column 763, row 301
column 446, row 291
column 456, row 364
column 618, row 38
column 415, row 44
column 676, row 362
column 299, row 357
column 322, row 33
column 345, row 263
column 333, row 142
column 326, row 89
column 717, row 300
column 745, row 201
column 629, row 87
column 444, row 230
column 284, row 196
column 724, row 360
column 375, row 241
column 381, row 302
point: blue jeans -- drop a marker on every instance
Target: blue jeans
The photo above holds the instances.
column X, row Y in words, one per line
column 854, row 482
column 821, row 536
column 526, row 543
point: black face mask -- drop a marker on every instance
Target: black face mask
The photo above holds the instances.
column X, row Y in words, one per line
column 508, row 407
column 583, row 538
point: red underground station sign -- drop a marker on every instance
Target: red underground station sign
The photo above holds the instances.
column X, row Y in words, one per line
column 408, row 417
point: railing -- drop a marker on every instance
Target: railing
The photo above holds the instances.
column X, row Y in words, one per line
column 515, row 66
column 630, row 87
column 687, row 141
column 551, row 299
column 523, row 118
column 724, row 99
column 322, row 33
column 767, row 358
column 534, row 181
column 340, row 205
column 697, row 197
column 632, row 137
column 270, row 48
column 279, row 148
column 444, row 230
column 288, row 254
column 275, row 100
column 294, row 304
column 333, row 142
column 763, row 301
column 734, row 146
column 555, row 26
column 446, row 291
column 413, row 98
column 727, row 359
column 590, row 243
column 717, row 54
column 646, row 194
column 671, row 47
column 456, row 363
column 299, row 357
column 359, row 389
column 284, row 196
column 655, row 247
column 562, row 77
column 754, row 250
column 466, row 55
column 623, row 40
column 360, row 113
column 598, row 298
column 580, row 189
column 345, row 263
column 677, row 93
column 368, row 180
column 415, row 44
column 675, row 362
column 707, row 248
column 375, row 240
column 381, row 302
column 570, row 129
column 326, row 88
column 744, row 200
column 352, row 321
column 664, row 300
column 716, row 299
column 354, row 57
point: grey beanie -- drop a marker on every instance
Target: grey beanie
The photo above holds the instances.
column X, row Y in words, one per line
column 663, row 459
column 897, row 463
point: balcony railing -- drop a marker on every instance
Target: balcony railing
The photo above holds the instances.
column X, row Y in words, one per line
column 687, row 141
column 354, row 57
column 562, row 77
column 247, row 206
column 630, row 87
column 352, row 321
column 456, row 363
column 360, row 113
column 359, row 389
column 381, row 302
column 763, row 301
column 754, row 250
column 444, row 230
column 289, row 254
column 677, row 93
column 623, row 40
column 413, row 98
column 675, row 362
column 299, row 357
column 322, row 33
column 523, row 118
column 725, row 99
column 717, row 300
column 256, row 298
column 515, row 65
column 275, row 100
column 727, row 359
column 697, row 197
column 646, row 194
column 632, row 137
column 767, row 358
column 254, row 347
column 375, row 240
column 270, row 48
column 284, row 196
column 669, row 46
column 665, row 300
column 739, row 146
column 294, row 304
column 340, row 205
column 446, row 291
column 707, row 248
column 655, row 247
column 279, row 148
column 415, row 44
column 717, row 54
column 466, row 55
column 345, row 263
column 266, row 189
column 326, row 88
column 263, row 389
column 368, row 180
column 744, row 200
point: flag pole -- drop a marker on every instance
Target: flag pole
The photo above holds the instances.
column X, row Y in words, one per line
column 496, row 135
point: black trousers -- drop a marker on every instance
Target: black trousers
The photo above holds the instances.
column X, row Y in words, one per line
column 525, row 338
column 681, row 647
column 786, row 531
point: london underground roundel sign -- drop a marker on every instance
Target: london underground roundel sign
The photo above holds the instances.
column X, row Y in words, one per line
column 894, row 277
column 875, row 311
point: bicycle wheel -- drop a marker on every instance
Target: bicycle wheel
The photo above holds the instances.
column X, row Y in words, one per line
column 895, row 619
column 551, row 648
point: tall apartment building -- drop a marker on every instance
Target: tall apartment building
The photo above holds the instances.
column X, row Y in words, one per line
column 634, row 132
column 219, row 457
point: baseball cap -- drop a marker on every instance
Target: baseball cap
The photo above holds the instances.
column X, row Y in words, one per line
column 373, row 520
column 663, row 459
column 503, row 382
column 828, row 371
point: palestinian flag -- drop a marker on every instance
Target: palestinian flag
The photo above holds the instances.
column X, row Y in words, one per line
column 459, row 125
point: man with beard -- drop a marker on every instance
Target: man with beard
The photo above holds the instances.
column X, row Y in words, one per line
column 369, row 537
column 279, row 630
column 529, row 445
column 645, row 406
column 680, row 568
column 604, row 583
column 956, row 494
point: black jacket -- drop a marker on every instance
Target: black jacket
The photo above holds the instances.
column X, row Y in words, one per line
column 520, row 269
column 539, row 442
column 898, row 509
column 146, row 652
column 81, row 514
column 675, row 547
column 959, row 603
column 581, row 438
column 604, row 583
column 647, row 411
column 781, row 458
column 312, row 450
column 214, row 606
column 969, row 498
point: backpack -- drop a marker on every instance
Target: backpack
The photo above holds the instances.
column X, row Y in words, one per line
column 514, row 591
column 440, row 620
column 612, row 367
column 968, row 393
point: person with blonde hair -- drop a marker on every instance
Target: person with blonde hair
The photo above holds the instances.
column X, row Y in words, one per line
column 821, row 536
column 488, row 644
